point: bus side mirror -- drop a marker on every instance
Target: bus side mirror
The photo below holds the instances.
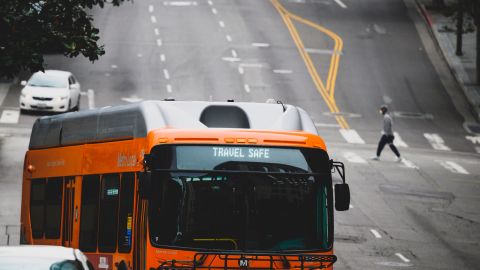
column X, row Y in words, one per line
column 342, row 197
column 145, row 184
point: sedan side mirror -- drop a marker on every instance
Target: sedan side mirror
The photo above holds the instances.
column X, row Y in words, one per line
column 342, row 197
column 23, row 83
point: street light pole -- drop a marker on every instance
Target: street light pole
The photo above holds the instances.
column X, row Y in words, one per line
column 459, row 28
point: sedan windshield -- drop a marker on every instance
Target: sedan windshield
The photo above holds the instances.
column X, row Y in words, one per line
column 41, row 79
column 242, row 205
column 33, row 263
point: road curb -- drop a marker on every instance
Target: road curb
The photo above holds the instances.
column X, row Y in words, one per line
column 470, row 91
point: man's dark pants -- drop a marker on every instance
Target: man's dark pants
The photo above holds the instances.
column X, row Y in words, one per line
column 384, row 140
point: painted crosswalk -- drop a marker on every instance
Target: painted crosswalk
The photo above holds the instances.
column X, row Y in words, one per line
column 436, row 141
column 354, row 158
column 399, row 141
column 10, row 116
column 453, row 167
column 351, row 136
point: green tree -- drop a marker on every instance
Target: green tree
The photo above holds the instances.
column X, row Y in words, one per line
column 30, row 28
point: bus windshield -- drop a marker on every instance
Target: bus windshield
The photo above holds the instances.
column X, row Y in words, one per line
column 240, row 198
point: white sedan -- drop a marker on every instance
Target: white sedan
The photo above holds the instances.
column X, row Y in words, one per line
column 42, row 258
column 52, row 90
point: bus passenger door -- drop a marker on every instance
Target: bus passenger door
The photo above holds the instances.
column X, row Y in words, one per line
column 70, row 213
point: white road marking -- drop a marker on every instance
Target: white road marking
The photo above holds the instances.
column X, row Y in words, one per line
column 453, row 167
column 327, row 125
column 398, row 140
column 132, row 99
column 162, row 57
column 222, row 24
column 91, row 99
column 166, row 74
column 114, row 66
column 214, row 11
column 282, row 71
column 4, row 91
column 229, row 38
column 409, row 163
column 354, row 158
column 376, row 233
column 474, row 140
column 153, row 19
column 264, row 45
column 139, row 55
column 156, row 31
column 234, row 53
column 320, row 51
column 10, row 117
column 231, row 59
column 351, row 136
column 150, row 8
column 159, row 42
column 436, row 141
column 210, row 2
column 169, row 88
column 247, row 88
column 241, row 70
column 251, row 65
column 340, row 3
column 403, row 258
column 351, row 206
column 180, row 3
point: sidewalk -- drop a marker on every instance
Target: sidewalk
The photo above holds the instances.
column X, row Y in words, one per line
column 463, row 67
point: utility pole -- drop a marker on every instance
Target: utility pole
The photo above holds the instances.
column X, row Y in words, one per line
column 459, row 27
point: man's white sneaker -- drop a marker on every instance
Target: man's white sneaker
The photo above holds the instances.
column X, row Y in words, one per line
column 398, row 159
column 375, row 158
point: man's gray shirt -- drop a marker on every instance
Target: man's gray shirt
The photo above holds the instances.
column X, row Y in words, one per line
column 387, row 124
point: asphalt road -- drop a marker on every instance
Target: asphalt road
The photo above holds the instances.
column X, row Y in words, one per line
column 340, row 60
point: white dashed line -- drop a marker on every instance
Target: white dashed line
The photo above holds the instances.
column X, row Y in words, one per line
column 398, row 140
column 453, row 167
column 229, row 38
column 282, row 71
column 159, row 42
column 139, row 55
column 376, row 233
column 222, row 24
column 214, row 11
column 162, row 57
column 319, row 51
column 10, row 117
column 166, row 74
column 252, row 65
column 263, row 45
column 409, row 164
column 241, row 70
column 180, row 3
column 210, row 2
column 340, row 3
column 114, row 66
column 354, row 158
column 91, row 99
column 351, row 136
column 156, row 31
column 234, row 53
column 247, row 88
column 327, row 125
column 169, row 88
column 403, row 258
column 436, row 141
column 150, row 8
column 231, row 59
column 153, row 19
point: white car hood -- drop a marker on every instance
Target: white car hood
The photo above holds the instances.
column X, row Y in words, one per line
column 45, row 91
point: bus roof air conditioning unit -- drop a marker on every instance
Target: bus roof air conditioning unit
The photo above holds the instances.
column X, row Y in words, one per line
column 224, row 117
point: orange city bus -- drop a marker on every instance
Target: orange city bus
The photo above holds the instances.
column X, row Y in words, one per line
column 183, row 185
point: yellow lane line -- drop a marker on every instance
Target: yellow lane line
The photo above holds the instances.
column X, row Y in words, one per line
column 327, row 92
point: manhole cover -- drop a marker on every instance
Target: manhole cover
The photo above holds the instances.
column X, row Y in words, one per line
column 473, row 128
column 413, row 115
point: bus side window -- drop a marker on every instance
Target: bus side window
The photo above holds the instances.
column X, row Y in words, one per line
column 89, row 213
column 107, row 227
column 125, row 219
column 37, row 207
column 53, row 207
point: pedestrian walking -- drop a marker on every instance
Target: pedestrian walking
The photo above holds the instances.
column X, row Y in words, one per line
column 387, row 135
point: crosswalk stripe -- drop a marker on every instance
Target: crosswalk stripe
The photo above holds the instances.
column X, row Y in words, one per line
column 398, row 140
column 354, row 158
column 409, row 163
column 436, row 141
column 453, row 167
column 351, row 136
column 10, row 117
